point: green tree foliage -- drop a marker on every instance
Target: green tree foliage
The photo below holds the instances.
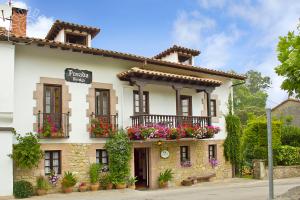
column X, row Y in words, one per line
column 254, row 139
column 287, row 155
column 249, row 99
column 232, row 141
column 288, row 50
column 27, row 153
column 290, row 135
column 119, row 151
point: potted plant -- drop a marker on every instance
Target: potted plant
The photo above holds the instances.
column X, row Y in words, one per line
column 83, row 187
column 42, row 186
column 165, row 177
column 120, row 183
column 94, row 176
column 68, row 182
column 105, row 181
column 131, row 182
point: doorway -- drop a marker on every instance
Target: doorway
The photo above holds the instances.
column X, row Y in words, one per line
column 141, row 167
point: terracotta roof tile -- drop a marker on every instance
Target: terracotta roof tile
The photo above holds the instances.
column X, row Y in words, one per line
column 119, row 55
column 135, row 70
column 58, row 25
column 181, row 49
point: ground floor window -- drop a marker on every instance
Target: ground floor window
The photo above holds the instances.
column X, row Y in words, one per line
column 185, row 156
column 212, row 151
column 102, row 157
column 52, row 162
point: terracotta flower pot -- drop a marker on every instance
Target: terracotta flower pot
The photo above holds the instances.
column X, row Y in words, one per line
column 163, row 184
column 83, row 188
column 67, row 190
column 41, row 192
column 121, row 186
column 109, row 186
column 131, row 187
column 94, row 186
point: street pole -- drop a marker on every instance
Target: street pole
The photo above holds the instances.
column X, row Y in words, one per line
column 270, row 154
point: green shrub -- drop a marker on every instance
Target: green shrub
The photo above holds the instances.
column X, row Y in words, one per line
column 287, row 155
column 94, row 172
column 254, row 139
column 290, row 135
column 119, row 151
column 69, row 180
column 27, row 153
column 22, row 189
column 165, row 176
column 42, row 183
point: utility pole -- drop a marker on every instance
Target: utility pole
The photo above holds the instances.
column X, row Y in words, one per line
column 270, row 154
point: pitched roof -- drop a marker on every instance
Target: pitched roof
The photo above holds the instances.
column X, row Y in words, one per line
column 285, row 101
column 135, row 71
column 118, row 55
column 177, row 48
column 59, row 25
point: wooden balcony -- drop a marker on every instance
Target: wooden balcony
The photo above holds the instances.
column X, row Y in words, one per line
column 102, row 126
column 53, row 125
column 168, row 120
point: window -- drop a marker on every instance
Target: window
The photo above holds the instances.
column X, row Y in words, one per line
column 136, row 106
column 102, row 103
column 53, row 104
column 213, row 107
column 52, row 162
column 102, row 157
column 186, row 105
column 76, row 39
column 185, row 59
column 212, row 151
column 184, row 153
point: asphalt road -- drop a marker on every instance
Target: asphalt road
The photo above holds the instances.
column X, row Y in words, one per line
column 229, row 189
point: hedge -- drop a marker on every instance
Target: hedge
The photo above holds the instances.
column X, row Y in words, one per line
column 290, row 135
column 287, row 155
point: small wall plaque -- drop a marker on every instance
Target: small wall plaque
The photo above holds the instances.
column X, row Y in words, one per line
column 78, row 76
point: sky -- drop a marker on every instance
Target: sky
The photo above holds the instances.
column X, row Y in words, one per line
column 237, row 35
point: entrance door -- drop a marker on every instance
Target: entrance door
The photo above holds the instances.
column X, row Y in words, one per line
column 141, row 167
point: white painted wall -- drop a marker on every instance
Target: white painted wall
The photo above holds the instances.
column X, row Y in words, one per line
column 6, row 164
column 60, row 36
column 35, row 62
column 172, row 57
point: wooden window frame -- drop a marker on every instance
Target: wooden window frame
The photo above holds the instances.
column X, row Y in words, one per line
column 77, row 34
column 213, row 102
column 190, row 108
column 51, row 160
column 146, row 93
column 187, row 149
column 44, row 96
column 212, row 151
column 109, row 99
column 99, row 159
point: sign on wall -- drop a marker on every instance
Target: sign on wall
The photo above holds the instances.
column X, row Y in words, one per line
column 78, row 76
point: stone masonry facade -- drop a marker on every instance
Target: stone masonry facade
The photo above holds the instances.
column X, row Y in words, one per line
column 77, row 158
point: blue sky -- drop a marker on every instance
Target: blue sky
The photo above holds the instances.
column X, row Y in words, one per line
column 239, row 35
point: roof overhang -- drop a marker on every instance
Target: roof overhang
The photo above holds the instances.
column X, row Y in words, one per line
column 145, row 74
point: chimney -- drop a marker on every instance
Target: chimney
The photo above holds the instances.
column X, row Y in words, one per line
column 19, row 18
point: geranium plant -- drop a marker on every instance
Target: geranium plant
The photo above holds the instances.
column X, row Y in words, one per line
column 49, row 129
column 101, row 128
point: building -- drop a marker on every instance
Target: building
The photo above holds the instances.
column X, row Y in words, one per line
column 64, row 79
column 288, row 108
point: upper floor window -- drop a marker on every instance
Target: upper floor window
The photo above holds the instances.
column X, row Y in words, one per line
column 76, row 38
column 136, row 105
column 102, row 104
column 213, row 107
column 184, row 59
column 186, row 105
column 212, row 151
column 53, row 104
column 52, row 162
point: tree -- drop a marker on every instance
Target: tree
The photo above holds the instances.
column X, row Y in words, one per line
column 249, row 99
column 232, row 141
column 288, row 49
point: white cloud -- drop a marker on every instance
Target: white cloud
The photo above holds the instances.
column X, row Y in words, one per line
column 19, row 4
column 39, row 27
column 212, row 3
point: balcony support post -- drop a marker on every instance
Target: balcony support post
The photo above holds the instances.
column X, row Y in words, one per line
column 208, row 94
column 177, row 89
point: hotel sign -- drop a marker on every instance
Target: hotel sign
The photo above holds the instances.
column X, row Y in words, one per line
column 78, row 76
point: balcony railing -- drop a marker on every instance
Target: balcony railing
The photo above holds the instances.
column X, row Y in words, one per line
column 168, row 120
column 53, row 125
column 102, row 126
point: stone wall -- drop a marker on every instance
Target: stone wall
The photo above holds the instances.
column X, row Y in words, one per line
column 290, row 107
column 77, row 158
column 286, row 171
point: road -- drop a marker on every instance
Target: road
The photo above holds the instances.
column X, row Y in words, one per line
column 229, row 189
